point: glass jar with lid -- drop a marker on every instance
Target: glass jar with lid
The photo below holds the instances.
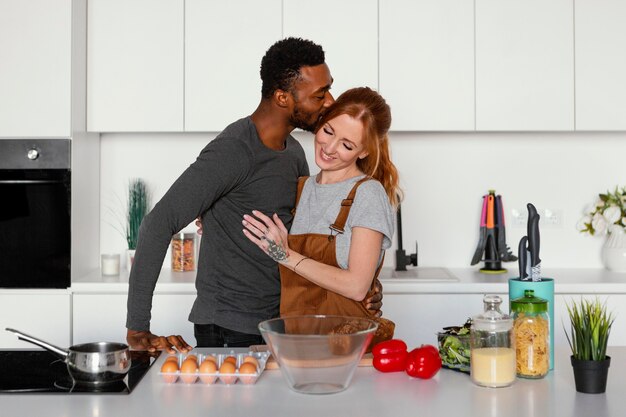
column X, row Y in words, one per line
column 531, row 327
column 492, row 346
column 183, row 252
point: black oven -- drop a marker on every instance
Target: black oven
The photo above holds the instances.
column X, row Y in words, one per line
column 35, row 209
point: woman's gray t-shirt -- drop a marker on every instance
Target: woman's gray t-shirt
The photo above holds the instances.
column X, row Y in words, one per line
column 319, row 206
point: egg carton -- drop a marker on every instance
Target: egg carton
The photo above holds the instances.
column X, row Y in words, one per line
column 211, row 378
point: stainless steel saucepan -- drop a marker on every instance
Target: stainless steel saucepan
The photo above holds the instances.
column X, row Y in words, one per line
column 89, row 363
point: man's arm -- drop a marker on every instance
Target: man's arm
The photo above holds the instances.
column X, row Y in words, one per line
column 216, row 170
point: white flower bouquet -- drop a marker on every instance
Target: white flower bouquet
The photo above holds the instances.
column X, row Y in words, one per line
column 607, row 213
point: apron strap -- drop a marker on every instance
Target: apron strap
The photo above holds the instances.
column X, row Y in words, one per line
column 346, row 205
column 301, row 181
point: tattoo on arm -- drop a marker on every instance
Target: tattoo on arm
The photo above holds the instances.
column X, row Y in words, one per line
column 276, row 251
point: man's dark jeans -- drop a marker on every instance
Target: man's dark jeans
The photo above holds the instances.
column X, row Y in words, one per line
column 211, row 335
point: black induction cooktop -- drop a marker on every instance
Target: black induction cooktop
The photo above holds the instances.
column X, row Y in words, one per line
column 42, row 372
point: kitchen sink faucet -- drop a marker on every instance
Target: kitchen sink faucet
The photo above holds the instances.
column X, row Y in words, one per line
column 402, row 259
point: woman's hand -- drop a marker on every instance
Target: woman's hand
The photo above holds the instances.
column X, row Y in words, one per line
column 269, row 234
column 199, row 225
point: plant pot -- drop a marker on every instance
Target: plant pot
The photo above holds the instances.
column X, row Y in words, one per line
column 590, row 376
column 130, row 257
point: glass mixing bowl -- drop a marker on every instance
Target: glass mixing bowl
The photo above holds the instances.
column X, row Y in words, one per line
column 318, row 354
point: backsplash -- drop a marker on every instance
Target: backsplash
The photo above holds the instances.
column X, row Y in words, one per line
column 443, row 175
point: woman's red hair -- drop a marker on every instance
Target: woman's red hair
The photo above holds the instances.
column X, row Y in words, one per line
column 372, row 110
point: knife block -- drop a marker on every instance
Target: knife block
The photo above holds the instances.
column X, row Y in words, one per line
column 543, row 289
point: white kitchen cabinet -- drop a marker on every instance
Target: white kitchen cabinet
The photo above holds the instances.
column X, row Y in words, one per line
column 224, row 44
column 348, row 32
column 600, row 64
column 135, row 65
column 102, row 317
column 427, row 63
column 44, row 314
column 524, row 65
column 35, row 68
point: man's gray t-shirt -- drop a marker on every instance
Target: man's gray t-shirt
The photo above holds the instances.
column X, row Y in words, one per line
column 319, row 206
column 237, row 284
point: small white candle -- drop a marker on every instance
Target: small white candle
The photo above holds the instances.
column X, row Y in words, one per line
column 110, row 264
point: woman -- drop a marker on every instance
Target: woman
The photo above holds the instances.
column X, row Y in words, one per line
column 344, row 217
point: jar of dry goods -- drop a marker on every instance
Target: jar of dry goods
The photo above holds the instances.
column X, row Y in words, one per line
column 492, row 346
column 531, row 325
column 183, row 252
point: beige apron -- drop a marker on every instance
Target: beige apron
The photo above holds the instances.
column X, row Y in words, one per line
column 300, row 296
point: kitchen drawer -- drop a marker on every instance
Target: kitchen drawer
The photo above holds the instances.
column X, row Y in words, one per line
column 102, row 317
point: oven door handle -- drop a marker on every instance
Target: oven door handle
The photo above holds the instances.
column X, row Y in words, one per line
column 30, row 181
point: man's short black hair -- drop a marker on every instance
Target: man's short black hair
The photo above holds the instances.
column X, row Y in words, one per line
column 280, row 67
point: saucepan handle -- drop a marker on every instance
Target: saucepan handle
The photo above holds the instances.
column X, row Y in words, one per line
column 27, row 338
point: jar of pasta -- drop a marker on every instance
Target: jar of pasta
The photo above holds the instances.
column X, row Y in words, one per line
column 531, row 325
column 183, row 252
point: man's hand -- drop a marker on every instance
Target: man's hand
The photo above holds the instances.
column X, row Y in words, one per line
column 141, row 340
column 375, row 302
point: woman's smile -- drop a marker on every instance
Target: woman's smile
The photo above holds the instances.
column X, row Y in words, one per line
column 326, row 156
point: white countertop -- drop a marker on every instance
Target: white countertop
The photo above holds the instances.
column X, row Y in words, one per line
column 169, row 281
column 371, row 393
column 421, row 280
column 471, row 280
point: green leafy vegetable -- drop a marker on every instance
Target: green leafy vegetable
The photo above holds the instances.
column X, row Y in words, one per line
column 454, row 346
column 454, row 350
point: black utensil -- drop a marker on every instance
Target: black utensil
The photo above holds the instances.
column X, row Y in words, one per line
column 504, row 251
column 482, row 239
column 522, row 258
column 493, row 265
column 534, row 243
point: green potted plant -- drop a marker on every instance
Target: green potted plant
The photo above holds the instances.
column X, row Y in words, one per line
column 588, row 338
column 138, row 207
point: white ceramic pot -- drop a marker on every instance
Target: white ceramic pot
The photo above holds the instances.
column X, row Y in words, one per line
column 614, row 250
column 130, row 257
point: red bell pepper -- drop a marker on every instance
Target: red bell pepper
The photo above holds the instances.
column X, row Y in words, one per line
column 390, row 356
column 393, row 362
column 423, row 362
column 389, row 346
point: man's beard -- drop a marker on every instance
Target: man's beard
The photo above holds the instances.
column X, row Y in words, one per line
column 303, row 120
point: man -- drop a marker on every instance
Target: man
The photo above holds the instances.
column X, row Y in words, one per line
column 253, row 164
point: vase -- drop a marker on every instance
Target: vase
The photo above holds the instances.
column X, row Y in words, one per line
column 614, row 250
column 590, row 376
column 130, row 257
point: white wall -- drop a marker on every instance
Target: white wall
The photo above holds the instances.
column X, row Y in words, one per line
column 444, row 176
